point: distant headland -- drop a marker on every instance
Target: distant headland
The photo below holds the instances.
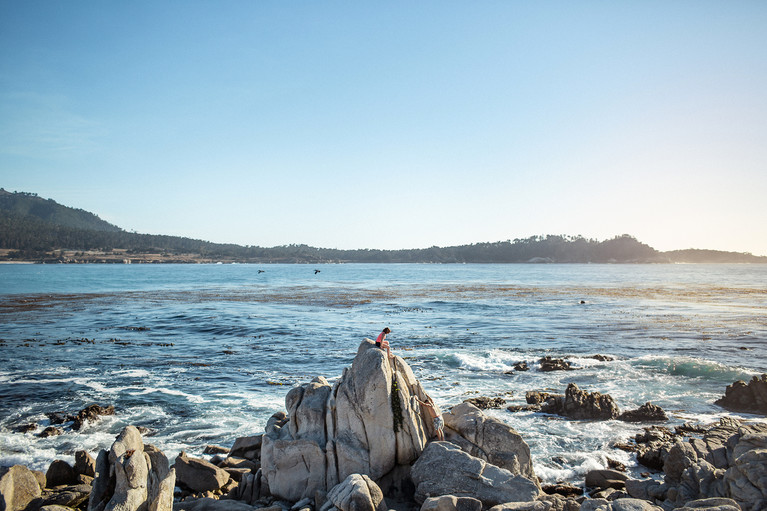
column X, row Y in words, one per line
column 37, row 230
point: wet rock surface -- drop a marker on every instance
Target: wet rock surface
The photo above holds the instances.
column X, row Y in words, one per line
column 748, row 397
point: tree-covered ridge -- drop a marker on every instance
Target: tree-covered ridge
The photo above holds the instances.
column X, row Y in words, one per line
column 25, row 235
column 48, row 210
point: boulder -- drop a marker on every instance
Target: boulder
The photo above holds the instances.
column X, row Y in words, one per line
column 606, row 479
column 653, row 445
column 356, row 493
column 489, row 439
column 250, row 489
column 199, row 475
column 648, row 412
column 85, row 464
column 578, row 404
column 451, row 503
column 215, row 449
column 618, row 505
column 60, row 473
column 560, row 503
column 40, row 476
column 132, row 476
column 748, row 397
column 522, row 506
column 68, row 496
column 563, row 489
column 647, row 489
column 444, row 469
column 714, row 504
column 746, row 480
column 209, row 504
column 54, row 507
column 248, row 447
column 18, row 487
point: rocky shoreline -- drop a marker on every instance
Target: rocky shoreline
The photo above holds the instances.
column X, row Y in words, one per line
column 367, row 442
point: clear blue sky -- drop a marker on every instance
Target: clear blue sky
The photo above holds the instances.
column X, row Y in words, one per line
column 393, row 124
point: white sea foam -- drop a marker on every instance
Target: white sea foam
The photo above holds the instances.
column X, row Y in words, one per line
column 132, row 373
column 192, row 398
column 485, row 360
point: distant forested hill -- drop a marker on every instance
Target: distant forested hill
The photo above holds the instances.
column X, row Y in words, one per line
column 30, row 205
column 35, row 229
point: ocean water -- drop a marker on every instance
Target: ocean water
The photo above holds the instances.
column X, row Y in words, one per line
column 202, row 354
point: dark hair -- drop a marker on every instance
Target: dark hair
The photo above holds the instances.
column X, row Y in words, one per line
column 386, row 330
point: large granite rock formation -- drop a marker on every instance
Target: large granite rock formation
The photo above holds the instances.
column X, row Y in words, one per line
column 132, row 476
column 370, row 423
column 367, row 423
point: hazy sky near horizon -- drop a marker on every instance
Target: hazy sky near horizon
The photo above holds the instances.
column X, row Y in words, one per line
column 393, row 124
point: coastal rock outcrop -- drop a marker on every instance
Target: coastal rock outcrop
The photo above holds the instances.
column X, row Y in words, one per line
column 648, row 412
column 484, row 402
column 132, row 476
column 371, row 423
column 748, row 398
column 729, row 461
column 366, row 423
column 444, row 469
column 554, row 364
column 579, row 404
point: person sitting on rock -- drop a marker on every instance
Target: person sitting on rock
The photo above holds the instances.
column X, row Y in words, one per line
column 382, row 343
column 434, row 411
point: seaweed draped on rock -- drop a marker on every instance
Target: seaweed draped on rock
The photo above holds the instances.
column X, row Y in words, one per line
column 332, row 432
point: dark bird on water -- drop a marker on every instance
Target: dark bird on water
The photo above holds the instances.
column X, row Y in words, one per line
column 261, row 271
column 316, row 272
